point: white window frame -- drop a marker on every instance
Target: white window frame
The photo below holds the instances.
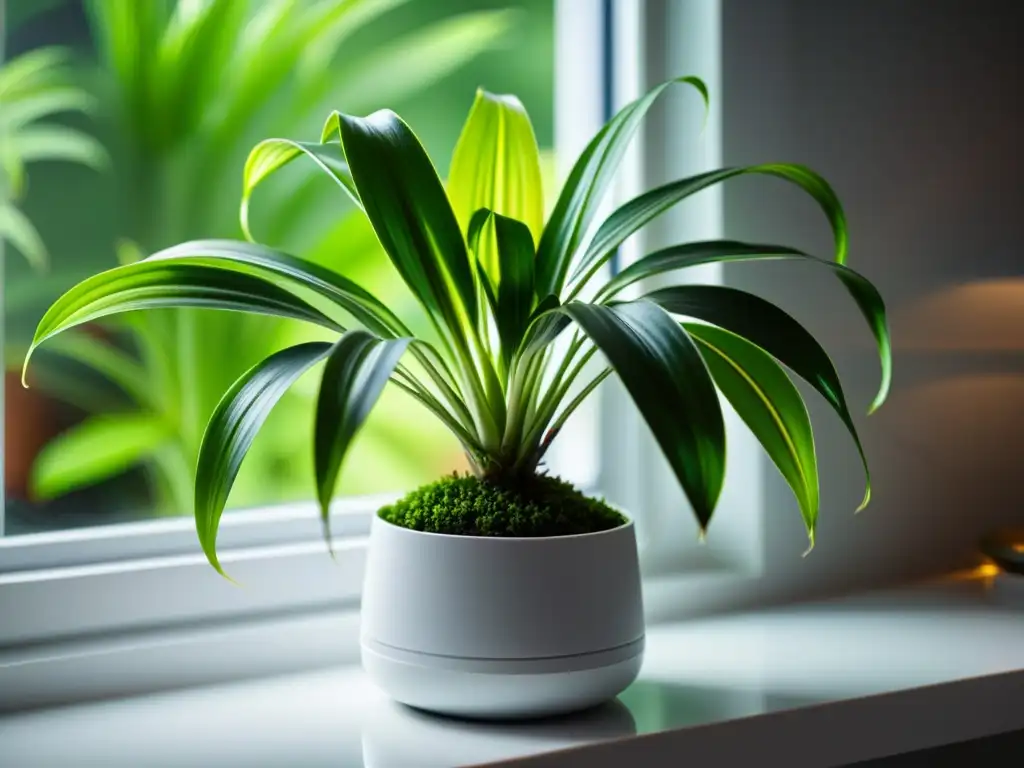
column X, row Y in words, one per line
column 61, row 591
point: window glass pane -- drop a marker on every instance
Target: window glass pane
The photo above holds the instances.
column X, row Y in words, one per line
column 133, row 136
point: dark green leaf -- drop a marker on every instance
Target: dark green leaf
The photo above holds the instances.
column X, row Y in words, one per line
column 587, row 183
column 663, row 371
column 407, row 205
column 358, row 367
column 634, row 214
column 154, row 284
column 515, row 289
column 867, row 297
column 765, row 398
column 513, row 299
column 233, row 427
column 267, row 262
column 773, row 330
column 688, row 255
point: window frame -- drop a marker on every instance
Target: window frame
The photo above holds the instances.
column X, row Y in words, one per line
column 76, row 585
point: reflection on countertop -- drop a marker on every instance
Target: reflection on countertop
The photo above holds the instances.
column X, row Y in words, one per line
column 395, row 736
column 699, row 672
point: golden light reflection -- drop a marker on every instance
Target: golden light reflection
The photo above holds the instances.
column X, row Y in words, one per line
column 985, row 316
column 1018, row 548
column 985, row 574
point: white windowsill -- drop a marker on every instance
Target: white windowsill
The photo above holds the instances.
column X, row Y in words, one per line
column 821, row 684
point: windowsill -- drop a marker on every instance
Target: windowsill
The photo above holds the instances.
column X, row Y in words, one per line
column 822, row 684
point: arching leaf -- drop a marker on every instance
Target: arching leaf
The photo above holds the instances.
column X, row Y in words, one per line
column 864, row 293
column 233, row 427
column 631, row 216
column 270, row 155
column 774, row 331
column 764, row 397
column 663, row 371
column 358, row 366
column 154, row 284
column 407, row 205
column 587, row 183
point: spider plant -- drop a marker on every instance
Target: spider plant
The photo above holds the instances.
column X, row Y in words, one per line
column 498, row 286
column 34, row 86
column 187, row 88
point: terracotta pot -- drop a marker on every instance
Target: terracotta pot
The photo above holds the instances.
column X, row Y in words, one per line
column 30, row 422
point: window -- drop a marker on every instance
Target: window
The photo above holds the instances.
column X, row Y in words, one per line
column 114, row 525
column 110, row 428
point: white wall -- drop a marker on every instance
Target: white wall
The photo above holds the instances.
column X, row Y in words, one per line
column 915, row 111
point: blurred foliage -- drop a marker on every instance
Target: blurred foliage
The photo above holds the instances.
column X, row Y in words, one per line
column 185, row 89
column 33, row 87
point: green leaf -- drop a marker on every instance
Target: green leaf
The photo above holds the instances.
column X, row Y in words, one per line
column 270, row 263
column 687, row 255
column 31, row 107
column 31, row 71
column 57, row 142
column 191, row 61
column 271, row 155
column 409, row 64
column 587, row 183
column 17, row 230
column 407, row 205
column 496, row 165
column 153, row 284
column 634, row 214
column 867, row 297
column 324, row 27
column 358, row 367
column 99, row 448
column 128, row 35
column 664, row 373
column 513, row 300
column 233, row 427
column 765, row 398
column 773, row 330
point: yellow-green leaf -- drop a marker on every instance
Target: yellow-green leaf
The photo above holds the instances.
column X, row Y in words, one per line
column 496, row 165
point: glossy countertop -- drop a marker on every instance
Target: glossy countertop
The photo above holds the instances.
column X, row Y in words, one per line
column 728, row 672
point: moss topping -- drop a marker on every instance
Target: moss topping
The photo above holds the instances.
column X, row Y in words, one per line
column 467, row 506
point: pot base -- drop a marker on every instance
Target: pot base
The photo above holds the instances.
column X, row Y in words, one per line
column 502, row 689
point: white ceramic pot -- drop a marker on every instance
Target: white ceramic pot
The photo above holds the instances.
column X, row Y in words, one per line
column 499, row 628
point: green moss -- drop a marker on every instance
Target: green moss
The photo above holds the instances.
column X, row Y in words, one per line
column 467, row 506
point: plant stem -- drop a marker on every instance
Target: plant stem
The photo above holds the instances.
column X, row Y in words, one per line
column 559, row 422
column 557, row 391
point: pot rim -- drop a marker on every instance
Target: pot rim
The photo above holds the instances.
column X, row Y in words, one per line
column 622, row 527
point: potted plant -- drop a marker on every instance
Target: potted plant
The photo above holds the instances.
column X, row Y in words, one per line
column 506, row 592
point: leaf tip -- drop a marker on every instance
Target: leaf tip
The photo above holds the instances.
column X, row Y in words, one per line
column 215, row 562
column 325, row 518
column 865, row 501
column 24, row 367
column 810, row 543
